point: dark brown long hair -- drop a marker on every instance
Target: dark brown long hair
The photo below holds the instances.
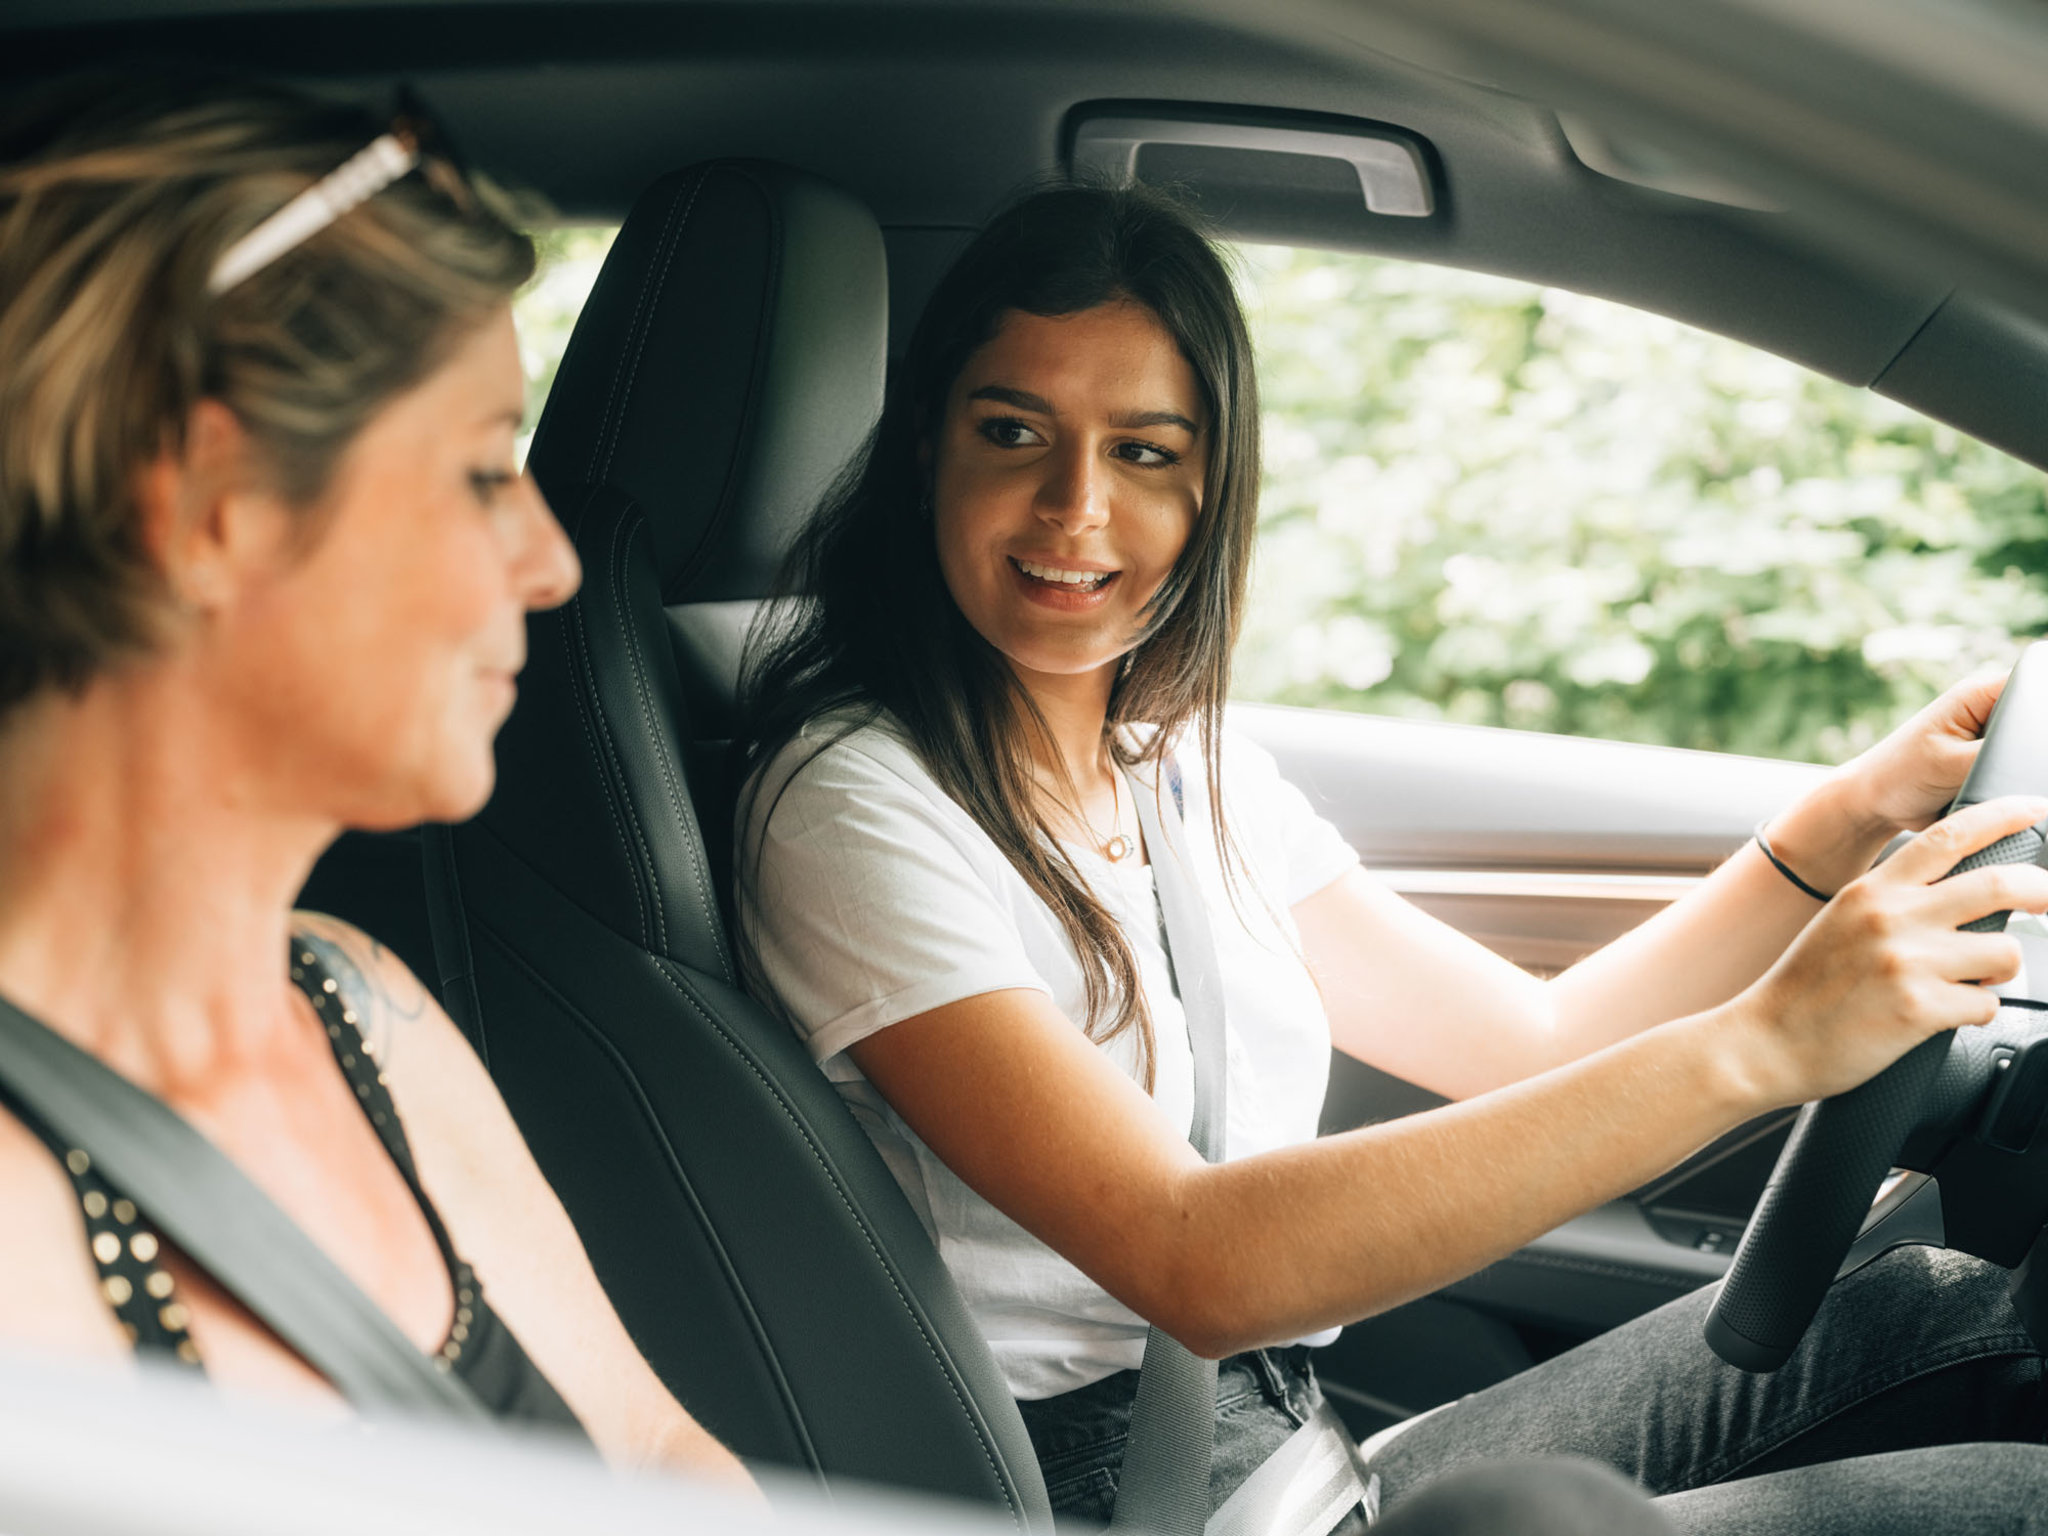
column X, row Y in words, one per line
column 867, row 624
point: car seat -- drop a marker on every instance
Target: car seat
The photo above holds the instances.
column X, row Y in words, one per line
column 727, row 366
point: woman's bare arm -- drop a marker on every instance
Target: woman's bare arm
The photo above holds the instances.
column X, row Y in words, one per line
column 506, row 1222
column 1415, row 997
column 1037, row 1121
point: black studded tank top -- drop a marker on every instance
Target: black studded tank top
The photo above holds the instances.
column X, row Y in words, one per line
column 142, row 1292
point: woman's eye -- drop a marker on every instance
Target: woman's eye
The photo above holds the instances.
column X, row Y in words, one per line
column 1009, row 432
column 486, row 483
column 1146, row 455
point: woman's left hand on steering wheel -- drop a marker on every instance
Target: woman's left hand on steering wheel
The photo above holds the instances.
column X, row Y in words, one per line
column 1908, row 779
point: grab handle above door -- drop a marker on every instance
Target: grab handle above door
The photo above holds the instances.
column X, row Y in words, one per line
column 1391, row 172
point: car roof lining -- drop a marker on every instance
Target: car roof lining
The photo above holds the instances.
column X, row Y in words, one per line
column 586, row 103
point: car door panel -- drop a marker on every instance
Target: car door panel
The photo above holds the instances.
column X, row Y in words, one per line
column 1415, row 794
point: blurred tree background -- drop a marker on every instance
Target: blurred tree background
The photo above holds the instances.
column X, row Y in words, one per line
column 547, row 307
column 1508, row 505
column 1501, row 504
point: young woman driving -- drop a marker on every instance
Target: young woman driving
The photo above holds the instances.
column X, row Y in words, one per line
column 265, row 559
column 1019, row 621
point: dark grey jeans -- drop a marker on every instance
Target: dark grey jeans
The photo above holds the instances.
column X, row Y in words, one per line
column 1918, row 1356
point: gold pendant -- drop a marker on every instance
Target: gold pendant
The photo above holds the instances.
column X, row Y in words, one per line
column 1117, row 849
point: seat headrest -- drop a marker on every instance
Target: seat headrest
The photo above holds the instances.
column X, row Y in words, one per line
column 727, row 365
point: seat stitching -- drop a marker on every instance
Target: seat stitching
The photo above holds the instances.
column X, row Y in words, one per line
column 578, row 647
column 574, row 641
column 679, row 803
column 663, row 969
column 604, row 421
column 638, row 333
column 770, row 320
column 607, row 424
column 437, row 852
column 644, row 871
column 653, row 1122
column 859, row 1221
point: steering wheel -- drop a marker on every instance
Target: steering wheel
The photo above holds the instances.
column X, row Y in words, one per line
column 1949, row 1101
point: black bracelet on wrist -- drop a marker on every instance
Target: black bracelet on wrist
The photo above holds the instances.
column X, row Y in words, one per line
column 1782, row 867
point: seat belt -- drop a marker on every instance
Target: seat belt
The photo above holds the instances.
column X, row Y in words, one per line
column 226, row 1225
column 1164, row 1485
column 1315, row 1478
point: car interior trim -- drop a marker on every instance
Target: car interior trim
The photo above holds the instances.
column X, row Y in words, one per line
column 1537, row 885
column 1393, row 175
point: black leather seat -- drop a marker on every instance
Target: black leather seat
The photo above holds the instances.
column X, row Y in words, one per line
column 729, row 362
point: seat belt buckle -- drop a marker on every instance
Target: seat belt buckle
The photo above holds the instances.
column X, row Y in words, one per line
column 1305, row 1488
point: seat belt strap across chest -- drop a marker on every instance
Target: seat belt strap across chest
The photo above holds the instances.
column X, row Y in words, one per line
column 1164, row 1485
column 1191, row 954
column 226, row 1225
column 1315, row 1478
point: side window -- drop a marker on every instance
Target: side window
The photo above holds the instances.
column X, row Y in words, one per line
column 1501, row 504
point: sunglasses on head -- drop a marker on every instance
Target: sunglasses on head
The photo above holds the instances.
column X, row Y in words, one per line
column 415, row 141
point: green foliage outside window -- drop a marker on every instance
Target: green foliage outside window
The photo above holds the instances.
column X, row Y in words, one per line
column 547, row 308
column 1505, row 505
column 1501, row 504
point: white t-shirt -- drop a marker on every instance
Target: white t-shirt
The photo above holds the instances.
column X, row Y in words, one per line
column 877, row 898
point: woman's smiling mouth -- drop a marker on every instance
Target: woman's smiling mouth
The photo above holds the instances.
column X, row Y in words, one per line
column 1060, row 580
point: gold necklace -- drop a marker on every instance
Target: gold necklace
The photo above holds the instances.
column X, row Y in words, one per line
column 1118, row 848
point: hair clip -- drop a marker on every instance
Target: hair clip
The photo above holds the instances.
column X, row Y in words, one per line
column 360, row 177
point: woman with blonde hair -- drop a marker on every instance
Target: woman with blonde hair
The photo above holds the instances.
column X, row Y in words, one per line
column 265, row 559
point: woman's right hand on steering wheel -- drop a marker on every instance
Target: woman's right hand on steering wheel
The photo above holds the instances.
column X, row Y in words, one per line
column 1884, row 966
